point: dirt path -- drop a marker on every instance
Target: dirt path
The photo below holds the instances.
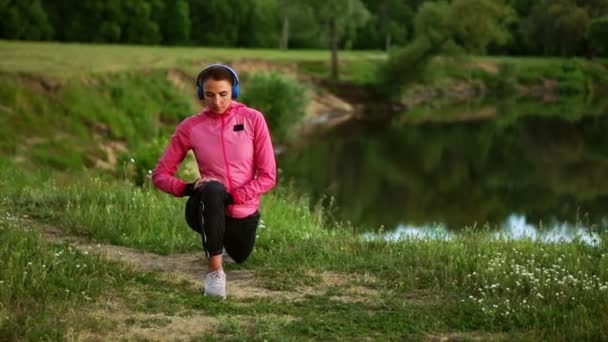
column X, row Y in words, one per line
column 189, row 266
column 241, row 285
column 138, row 326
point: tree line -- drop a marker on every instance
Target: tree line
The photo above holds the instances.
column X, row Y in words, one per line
column 509, row 27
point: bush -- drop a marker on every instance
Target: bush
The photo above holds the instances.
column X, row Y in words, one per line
column 281, row 99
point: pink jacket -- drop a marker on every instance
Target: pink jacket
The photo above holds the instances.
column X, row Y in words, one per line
column 233, row 147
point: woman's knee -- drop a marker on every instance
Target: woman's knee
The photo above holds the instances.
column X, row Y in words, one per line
column 212, row 191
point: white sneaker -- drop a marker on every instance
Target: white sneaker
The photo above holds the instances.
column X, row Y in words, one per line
column 215, row 284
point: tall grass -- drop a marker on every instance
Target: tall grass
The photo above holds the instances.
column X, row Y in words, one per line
column 142, row 217
column 109, row 211
column 64, row 127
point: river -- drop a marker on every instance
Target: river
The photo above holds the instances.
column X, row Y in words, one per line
column 523, row 167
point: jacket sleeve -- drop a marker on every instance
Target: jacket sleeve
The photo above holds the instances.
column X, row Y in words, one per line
column 264, row 164
column 163, row 176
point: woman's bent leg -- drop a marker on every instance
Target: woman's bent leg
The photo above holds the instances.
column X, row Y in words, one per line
column 205, row 214
column 240, row 236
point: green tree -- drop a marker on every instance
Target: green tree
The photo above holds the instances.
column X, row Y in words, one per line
column 177, row 23
column 24, row 20
column 597, row 35
column 436, row 30
column 477, row 23
column 259, row 26
column 86, row 21
column 557, row 27
column 304, row 30
column 290, row 12
column 390, row 23
column 337, row 14
column 522, row 7
column 595, row 8
column 432, row 23
column 517, row 44
column 408, row 64
column 216, row 22
column 139, row 27
column 470, row 25
column 112, row 21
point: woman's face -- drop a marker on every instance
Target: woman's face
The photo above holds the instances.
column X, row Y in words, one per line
column 218, row 95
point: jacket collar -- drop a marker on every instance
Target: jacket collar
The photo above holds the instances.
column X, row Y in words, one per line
column 232, row 108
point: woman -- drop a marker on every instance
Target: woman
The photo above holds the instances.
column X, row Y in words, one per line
column 235, row 158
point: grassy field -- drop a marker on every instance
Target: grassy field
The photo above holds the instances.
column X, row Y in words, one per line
column 65, row 60
column 86, row 254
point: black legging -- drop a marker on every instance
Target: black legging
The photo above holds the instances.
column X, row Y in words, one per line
column 205, row 214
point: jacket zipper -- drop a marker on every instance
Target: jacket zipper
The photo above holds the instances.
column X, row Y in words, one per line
column 226, row 165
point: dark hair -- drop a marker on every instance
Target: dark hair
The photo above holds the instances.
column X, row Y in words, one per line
column 216, row 72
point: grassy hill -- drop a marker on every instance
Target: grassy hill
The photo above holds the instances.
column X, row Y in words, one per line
column 74, row 105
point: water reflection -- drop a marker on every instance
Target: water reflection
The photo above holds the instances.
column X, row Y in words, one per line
column 515, row 227
column 458, row 165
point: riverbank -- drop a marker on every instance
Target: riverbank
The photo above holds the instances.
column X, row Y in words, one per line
column 95, row 258
column 459, row 80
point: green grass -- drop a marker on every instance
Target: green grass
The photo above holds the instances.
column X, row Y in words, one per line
column 501, row 75
column 416, row 287
column 358, row 71
column 41, row 284
column 66, row 127
column 109, row 211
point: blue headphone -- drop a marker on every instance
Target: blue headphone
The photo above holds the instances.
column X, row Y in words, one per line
column 236, row 89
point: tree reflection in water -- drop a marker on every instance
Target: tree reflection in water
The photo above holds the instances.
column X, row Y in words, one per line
column 463, row 165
